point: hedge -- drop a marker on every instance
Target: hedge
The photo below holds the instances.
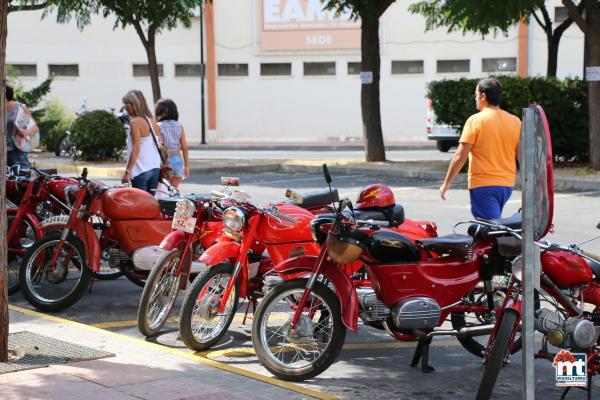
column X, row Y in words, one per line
column 98, row 136
column 565, row 104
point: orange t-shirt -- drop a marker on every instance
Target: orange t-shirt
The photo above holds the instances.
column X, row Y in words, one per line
column 494, row 134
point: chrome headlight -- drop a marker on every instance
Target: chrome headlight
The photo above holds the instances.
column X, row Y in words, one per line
column 185, row 208
column 234, row 219
column 517, row 268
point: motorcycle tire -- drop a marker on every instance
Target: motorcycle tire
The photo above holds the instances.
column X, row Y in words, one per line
column 161, row 284
column 188, row 309
column 295, row 288
column 499, row 350
column 137, row 277
column 14, row 260
column 32, row 293
column 63, row 146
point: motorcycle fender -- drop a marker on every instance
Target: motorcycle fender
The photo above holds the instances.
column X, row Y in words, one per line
column 220, row 252
column 88, row 236
column 33, row 220
column 173, row 240
column 512, row 304
column 303, row 266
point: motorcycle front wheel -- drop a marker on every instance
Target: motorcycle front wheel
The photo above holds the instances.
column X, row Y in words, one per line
column 160, row 293
column 200, row 323
column 312, row 346
column 54, row 288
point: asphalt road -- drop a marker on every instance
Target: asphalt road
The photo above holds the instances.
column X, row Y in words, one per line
column 372, row 364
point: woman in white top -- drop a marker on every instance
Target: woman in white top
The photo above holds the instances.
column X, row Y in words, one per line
column 174, row 137
column 143, row 166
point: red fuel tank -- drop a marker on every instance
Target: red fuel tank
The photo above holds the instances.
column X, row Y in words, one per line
column 273, row 231
column 129, row 203
column 57, row 186
column 566, row 269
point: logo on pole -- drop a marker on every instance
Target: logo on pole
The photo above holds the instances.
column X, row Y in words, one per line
column 571, row 369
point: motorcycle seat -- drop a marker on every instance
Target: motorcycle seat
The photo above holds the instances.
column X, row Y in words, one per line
column 479, row 232
column 316, row 198
column 392, row 214
column 595, row 266
column 452, row 244
column 513, row 222
column 167, row 204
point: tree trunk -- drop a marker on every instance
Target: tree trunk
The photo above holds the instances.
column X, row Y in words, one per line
column 552, row 65
column 3, row 265
column 369, row 95
column 593, row 54
column 153, row 66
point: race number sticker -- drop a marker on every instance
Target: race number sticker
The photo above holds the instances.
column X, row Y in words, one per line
column 185, row 224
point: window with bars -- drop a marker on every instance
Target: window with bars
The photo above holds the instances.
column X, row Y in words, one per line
column 561, row 14
column 233, row 69
column 63, row 69
column 405, row 67
column 499, row 64
column 319, row 68
column 354, row 68
column 140, row 70
column 451, row 66
column 275, row 69
column 187, row 70
column 24, row 70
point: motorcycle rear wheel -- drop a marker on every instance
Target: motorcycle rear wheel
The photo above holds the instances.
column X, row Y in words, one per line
column 499, row 350
column 160, row 294
column 317, row 340
column 55, row 290
column 199, row 309
column 26, row 238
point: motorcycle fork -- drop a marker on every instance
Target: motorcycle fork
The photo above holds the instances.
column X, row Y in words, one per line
column 189, row 240
column 309, row 286
column 241, row 261
column 67, row 229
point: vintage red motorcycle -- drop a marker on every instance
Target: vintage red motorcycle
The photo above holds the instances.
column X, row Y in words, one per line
column 300, row 325
column 104, row 223
column 570, row 279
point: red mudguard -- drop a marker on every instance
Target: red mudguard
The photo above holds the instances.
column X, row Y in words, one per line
column 173, row 240
column 303, row 266
column 220, row 252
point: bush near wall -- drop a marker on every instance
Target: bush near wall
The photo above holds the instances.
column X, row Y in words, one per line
column 98, row 136
column 565, row 104
column 54, row 121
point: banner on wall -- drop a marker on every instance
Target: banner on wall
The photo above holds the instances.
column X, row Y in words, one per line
column 304, row 25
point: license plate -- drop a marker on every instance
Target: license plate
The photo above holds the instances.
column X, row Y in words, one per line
column 185, row 224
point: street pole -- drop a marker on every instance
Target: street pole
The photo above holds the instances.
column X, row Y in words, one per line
column 529, row 253
column 202, row 75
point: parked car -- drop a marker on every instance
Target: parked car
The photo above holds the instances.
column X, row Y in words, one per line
column 446, row 136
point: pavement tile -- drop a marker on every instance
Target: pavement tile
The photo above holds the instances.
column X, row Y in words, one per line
column 27, row 375
column 175, row 388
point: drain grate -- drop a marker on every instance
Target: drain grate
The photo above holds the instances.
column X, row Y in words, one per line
column 36, row 351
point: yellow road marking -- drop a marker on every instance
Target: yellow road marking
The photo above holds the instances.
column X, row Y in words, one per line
column 189, row 356
column 133, row 322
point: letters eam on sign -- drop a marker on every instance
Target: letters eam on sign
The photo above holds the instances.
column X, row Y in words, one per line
column 304, row 25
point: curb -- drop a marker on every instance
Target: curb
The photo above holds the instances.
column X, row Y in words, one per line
column 291, row 147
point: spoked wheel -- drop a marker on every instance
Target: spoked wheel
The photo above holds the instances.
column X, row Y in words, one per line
column 17, row 249
column 201, row 325
column 54, row 287
column 64, row 148
column 498, row 353
column 312, row 346
column 160, row 293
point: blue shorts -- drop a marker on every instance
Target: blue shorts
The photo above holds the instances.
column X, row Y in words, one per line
column 488, row 201
column 176, row 164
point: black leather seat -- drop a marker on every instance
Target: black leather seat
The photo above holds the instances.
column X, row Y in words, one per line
column 479, row 232
column 167, row 205
column 393, row 214
column 316, row 198
column 513, row 222
column 447, row 244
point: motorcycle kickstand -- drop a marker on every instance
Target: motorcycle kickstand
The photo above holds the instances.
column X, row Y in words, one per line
column 91, row 286
column 422, row 353
column 588, row 389
column 250, row 302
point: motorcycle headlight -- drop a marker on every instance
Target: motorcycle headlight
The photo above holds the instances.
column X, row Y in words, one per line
column 517, row 268
column 185, row 208
column 234, row 219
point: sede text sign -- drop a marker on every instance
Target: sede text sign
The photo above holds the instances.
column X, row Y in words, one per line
column 304, row 24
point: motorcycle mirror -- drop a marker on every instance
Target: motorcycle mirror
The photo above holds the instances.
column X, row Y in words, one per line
column 230, row 181
column 598, row 226
column 326, row 174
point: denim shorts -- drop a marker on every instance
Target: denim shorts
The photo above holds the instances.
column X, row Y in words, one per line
column 176, row 164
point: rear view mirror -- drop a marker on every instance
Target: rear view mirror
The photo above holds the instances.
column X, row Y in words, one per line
column 230, row 181
column 598, row 226
column 326, row 174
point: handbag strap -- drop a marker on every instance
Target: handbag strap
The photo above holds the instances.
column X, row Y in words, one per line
column 154, row 139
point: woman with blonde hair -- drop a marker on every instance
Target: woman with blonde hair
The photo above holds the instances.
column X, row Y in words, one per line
column 143, row 165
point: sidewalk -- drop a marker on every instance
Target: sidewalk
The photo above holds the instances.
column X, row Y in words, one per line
column 139, row 370
column 565, row 179
column 311, row 146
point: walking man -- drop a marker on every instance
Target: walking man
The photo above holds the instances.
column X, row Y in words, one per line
column 490, row 139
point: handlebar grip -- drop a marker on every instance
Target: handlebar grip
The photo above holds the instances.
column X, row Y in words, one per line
column 383, row 224
column 218, row 194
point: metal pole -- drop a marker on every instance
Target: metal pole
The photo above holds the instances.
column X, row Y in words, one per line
column 202, row 75
column 528, row 148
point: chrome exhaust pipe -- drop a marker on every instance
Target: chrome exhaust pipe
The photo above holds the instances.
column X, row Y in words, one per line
column 477, row 330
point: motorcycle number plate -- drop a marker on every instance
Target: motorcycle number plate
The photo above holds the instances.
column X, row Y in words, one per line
column 185, row 224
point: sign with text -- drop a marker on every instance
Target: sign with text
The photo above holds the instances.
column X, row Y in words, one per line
column 305, row 25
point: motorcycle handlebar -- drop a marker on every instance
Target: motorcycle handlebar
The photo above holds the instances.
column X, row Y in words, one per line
column 383, row 224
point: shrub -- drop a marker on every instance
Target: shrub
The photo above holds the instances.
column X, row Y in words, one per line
column 565, row 104
column 98, row 136
column 54, row 121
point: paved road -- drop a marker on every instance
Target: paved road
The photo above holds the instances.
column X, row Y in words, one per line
column 372, row 364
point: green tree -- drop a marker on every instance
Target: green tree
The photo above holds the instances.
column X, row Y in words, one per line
column 369, row 12
column 485, row 17
column 148, row 18
column 586, row 15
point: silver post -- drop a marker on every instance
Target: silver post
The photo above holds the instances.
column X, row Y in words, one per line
column 528, row 150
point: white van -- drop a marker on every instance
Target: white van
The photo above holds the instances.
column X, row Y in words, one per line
column 446, row 136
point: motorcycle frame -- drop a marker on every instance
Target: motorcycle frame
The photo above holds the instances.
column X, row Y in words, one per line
column 25, row 211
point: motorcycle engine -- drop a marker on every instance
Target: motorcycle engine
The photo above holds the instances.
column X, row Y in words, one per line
column 416, row 313
column 117, row 257
column 578, row 333
column 371, row 308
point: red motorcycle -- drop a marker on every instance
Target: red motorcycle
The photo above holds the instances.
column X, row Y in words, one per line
column 570, row 278
column 103, row 224
column 300, row 325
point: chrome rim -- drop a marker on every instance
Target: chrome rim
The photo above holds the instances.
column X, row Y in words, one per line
column 301, row 347
column 48, row 285
column 163, row 294
column 207, row 323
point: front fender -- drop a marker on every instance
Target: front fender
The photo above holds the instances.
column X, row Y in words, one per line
column 52, row 224
column 173, row 240
column 220, row 252
column 303, row 266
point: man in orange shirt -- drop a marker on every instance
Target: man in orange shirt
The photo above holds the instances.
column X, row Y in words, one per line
column 490, row 139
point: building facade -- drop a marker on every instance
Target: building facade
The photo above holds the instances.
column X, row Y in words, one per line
column 277, row 70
